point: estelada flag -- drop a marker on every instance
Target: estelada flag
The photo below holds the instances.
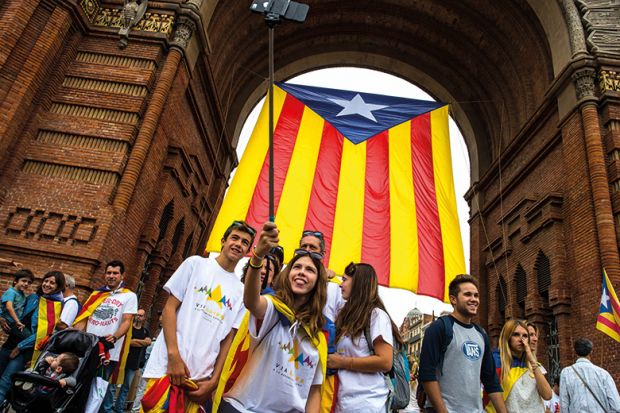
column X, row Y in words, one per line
column 372, row 173
column 608, row 320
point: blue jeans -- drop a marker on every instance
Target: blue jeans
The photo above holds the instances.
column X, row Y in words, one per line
column 108, row 401
column 8, row 367
column 119, row 405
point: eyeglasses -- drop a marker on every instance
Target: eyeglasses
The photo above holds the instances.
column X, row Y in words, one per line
column 243, row 224
column 317, row 234
column 312, row 254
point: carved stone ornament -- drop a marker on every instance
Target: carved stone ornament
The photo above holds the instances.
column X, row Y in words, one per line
column 609, row 81
column 584, row 82
column 183, row 32
column 132, row 13
column 601, row 19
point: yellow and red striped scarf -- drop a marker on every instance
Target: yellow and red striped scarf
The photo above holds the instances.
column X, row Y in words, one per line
column 239, row 353
column 49, row 315
column 91, row 304
column 161, row 396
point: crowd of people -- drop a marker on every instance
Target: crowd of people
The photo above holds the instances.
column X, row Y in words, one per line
column 285, row 338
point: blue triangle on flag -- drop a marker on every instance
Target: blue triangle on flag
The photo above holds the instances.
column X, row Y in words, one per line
column 359, row 116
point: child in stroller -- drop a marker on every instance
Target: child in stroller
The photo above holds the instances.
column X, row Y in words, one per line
column 36, row 391
column 58, row 368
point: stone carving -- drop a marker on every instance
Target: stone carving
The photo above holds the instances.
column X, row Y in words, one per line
column 42, row 225
column 584, row 82
column 149, row 22
column 601, row 19
column 609, row 81
column 183, row 32
column 575, row 27
column 132, row 13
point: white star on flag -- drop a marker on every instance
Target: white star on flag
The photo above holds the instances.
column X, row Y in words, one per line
column 357, row 106
column 605, row 299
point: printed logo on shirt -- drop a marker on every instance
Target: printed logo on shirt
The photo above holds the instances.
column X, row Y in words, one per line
column 296, row 357
column 472, row 351
column 224, row 304
column 107, row 312
column 215, row 294
column 291, row 370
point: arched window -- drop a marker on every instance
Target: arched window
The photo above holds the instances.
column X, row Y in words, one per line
column 543, row 273
column 164, row 221
column 176, row 237
column 521, row 289
column 500, row 293
column 188, row 245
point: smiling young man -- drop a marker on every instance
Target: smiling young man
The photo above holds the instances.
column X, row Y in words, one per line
column 456, row 356
column 204, row 308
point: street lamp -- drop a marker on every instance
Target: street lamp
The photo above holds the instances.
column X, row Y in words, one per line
column 274, row 11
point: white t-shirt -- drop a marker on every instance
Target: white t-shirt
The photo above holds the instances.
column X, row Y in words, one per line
column 70, row 309
column 107, row 318
column 280, row 370
column 334, row 301
column 363, row 392
column 211, row 305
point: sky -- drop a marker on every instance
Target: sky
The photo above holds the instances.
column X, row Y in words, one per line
column 398, row 302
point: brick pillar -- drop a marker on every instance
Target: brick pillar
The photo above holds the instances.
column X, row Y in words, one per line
column 135, row 163
column 159, row 260
column 597, row 171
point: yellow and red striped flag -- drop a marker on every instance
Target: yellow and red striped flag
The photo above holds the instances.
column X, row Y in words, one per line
column 373, row 173
column 608, row 320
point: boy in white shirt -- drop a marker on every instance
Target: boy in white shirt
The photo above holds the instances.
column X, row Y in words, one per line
column 199, row 320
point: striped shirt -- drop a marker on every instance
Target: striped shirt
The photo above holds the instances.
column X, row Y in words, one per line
column 575, row 396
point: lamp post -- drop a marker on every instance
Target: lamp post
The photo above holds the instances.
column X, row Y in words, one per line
column 274, row 12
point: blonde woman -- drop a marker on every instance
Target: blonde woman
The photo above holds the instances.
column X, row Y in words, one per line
column 522, row 380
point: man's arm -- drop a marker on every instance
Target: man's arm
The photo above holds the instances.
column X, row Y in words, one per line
column 433, row 392
column 430, row 356
column 613, row 399
column 177, row 370
column 564, row 397
column 498, row 402
column 122, row 329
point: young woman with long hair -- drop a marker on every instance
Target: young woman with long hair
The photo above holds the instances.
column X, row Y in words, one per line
column 362, row 383
column 38, row 325
column 523, row 383
column 287, row 351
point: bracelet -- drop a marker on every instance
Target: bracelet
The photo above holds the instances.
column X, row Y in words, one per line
column 254, row 255
column 256, row 267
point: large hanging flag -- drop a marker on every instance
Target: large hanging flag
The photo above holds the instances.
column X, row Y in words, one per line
column 372, row 173
column 608, row 320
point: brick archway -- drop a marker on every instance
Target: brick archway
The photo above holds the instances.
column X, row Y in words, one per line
column 91, row 135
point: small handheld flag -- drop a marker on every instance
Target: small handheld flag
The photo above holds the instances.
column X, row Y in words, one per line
column 608, row 320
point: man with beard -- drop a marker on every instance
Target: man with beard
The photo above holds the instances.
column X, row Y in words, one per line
column 456, row 356
column 203, row 311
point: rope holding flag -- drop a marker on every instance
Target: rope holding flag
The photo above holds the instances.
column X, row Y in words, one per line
column 373, row 173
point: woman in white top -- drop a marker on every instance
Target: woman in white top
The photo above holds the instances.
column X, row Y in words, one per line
column 362, row 383
column 284, row 371
column 523, row 383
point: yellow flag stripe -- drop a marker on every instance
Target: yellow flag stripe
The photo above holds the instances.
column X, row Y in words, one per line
column 454, row 258
column 239, row 196
column 293, row 205
column 404, row 264
column 349, row 217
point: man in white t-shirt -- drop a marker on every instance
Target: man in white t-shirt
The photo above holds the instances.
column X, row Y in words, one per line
column 200, row 318
column 70, row 303
column 110, row 317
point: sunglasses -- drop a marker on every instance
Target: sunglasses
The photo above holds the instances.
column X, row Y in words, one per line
column 317, row 234
column 312, row 254
column 350, row 269
column 243, row 224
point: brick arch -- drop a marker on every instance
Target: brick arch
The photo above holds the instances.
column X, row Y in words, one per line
column 176, row 236
column 164, row 220
column 520, row 282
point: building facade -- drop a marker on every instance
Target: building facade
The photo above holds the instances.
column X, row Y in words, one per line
column 118, row 122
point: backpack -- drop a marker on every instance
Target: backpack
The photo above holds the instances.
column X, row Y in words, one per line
column 448, row 332
column 398, row 377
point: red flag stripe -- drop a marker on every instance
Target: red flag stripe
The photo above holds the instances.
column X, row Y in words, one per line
column 324, row 193
column 284, row 137
column 376, row 234
column 430, row 246
column 615, row 327
column 615, row 305
column 51, row 316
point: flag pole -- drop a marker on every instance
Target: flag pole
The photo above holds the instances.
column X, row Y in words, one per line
column 271, row 80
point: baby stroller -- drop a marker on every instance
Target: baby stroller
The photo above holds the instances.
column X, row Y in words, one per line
column 46, row 395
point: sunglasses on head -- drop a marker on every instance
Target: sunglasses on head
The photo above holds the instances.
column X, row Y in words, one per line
column 312, row 254
column 317, row 234
column 245, row 225
column 350, row 269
